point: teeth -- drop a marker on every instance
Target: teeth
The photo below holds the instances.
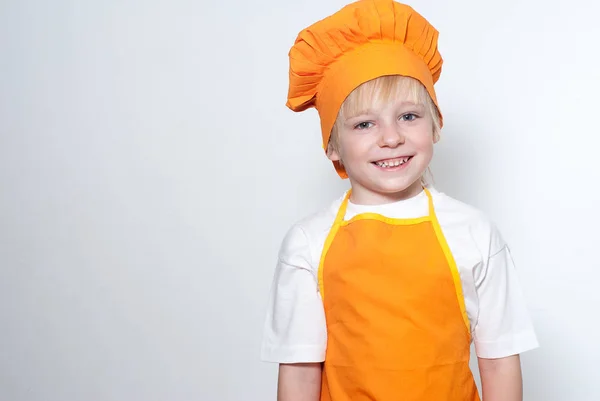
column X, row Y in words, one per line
column 394, row 163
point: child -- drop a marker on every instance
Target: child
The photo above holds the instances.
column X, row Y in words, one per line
column 378, row 296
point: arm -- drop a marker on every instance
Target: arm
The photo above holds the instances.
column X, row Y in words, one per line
column 299, row 382
column 295, row 331
column 501, row 379
column 504, row 329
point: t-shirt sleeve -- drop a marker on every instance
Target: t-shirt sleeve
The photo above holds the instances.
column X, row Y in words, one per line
column 295, row 330
column 504, row 327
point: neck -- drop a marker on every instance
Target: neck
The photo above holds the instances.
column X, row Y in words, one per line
column 364, row 196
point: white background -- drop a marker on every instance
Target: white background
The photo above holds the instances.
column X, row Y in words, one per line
column 149, row 170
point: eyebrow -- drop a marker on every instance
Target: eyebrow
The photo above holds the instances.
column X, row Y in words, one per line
column 360, row 113
column 371, row 111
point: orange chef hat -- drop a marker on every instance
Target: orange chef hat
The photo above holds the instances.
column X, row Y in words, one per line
column 362, row 41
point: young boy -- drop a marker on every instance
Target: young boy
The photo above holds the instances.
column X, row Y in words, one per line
column 379, row 296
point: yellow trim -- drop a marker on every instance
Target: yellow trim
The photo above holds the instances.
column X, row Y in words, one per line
column 387, row 220
column 451, row 262
column 339, row 218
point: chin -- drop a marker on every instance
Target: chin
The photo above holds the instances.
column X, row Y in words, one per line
column 392, row 187
column 398, row 188
column 397, row 184
column 386, row 182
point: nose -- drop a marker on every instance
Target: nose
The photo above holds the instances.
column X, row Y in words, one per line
column 391, row 136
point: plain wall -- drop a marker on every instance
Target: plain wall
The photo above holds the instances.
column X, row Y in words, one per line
column 149, row 170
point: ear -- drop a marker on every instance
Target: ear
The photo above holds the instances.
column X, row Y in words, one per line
column 332, row 154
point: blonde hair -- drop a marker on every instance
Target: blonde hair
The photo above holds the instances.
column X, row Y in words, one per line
column 383, row 90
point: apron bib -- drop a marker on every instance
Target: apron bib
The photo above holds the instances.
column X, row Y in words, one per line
column 396, row 319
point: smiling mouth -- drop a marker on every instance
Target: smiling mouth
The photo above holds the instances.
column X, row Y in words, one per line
column 390, row 163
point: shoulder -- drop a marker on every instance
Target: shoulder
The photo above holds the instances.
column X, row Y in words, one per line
column 464, row 219
column 303, row 242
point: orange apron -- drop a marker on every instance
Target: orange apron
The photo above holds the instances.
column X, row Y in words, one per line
column 396, row 320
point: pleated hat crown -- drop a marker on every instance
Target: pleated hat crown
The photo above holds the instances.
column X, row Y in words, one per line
column 364, row 40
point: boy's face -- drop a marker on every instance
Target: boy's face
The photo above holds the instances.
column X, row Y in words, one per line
column 385, row 151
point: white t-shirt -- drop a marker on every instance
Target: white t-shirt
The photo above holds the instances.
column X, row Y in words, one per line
column 295, row 329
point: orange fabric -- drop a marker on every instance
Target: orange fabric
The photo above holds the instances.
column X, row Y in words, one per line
column 394, row 321
column 362, row 41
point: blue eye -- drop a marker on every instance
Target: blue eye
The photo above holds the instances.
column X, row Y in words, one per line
column 409, row 117
column 363, row 125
